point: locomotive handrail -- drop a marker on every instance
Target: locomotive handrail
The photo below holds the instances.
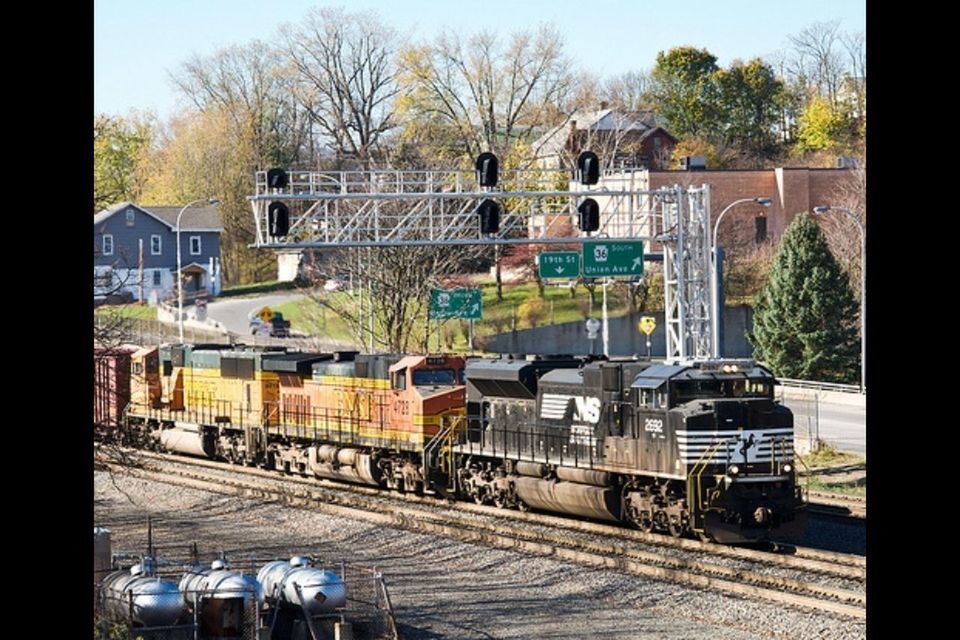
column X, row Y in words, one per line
column 696, row 475
column 443, row 438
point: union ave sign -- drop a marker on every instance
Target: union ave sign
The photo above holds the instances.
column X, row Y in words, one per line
column 603, row 258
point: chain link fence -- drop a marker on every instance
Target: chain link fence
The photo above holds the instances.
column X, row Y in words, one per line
column 231, row 615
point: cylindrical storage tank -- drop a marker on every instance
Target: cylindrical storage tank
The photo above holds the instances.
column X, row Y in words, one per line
column 143, row 600
column 223, row 600
column 207, row 582
column 320, row 590
column 102, row 554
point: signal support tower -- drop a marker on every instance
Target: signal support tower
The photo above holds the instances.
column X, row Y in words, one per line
column 342, row 209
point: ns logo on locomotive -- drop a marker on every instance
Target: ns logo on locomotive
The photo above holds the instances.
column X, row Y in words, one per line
column 690, row 449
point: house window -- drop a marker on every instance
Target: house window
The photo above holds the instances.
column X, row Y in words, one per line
column 156, row 246
column 194, row 245
column 156, row 277
column 107, row 244
column 131, row 217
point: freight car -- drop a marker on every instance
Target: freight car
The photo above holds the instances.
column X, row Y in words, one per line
column 698, row 448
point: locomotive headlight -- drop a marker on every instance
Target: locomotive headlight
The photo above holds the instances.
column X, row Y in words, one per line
column 787, row 468
column 734, row 470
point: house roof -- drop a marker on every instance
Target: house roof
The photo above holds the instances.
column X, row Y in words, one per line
column 553, row 141
column 195, row 219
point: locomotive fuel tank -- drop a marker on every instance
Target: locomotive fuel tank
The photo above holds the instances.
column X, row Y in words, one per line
column 144, row 600
column 297, row 583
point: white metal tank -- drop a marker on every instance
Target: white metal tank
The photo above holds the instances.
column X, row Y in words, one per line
column 142, row 599
column 321, row 590
column 220, row 582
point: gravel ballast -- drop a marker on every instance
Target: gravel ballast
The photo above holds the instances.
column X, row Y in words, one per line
column 442, row 588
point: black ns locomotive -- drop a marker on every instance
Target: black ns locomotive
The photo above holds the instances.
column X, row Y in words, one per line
column 699, row 448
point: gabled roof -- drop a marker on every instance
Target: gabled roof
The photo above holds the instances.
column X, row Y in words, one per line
column 554, row 140
column 194, row 219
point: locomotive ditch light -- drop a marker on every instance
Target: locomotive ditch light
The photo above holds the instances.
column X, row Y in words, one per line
column 787, row 468
column 733, row 470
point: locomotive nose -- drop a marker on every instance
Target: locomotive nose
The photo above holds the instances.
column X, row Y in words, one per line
column 761, row 515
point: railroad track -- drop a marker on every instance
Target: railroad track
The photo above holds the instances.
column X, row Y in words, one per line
column 742, row 572
column 837, row 505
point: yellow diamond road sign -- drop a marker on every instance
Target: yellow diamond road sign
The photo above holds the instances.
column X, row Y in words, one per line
column 647, row 324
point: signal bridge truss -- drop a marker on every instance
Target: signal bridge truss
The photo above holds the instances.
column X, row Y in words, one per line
column 330, row 210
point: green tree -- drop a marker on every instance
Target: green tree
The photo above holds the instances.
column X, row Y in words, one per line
column 824, row 127
column 119, row 148
column 750, row 96
column 805, row 317
column 685, row 91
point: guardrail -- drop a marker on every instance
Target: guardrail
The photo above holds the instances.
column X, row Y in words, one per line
column 138, row 331
column 822, row 386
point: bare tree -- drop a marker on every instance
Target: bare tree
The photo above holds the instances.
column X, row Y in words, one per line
column 492, row 95
column 247, row 83
column 630, row 91
column 817, row 58
column 345, row 77
column 842, row 234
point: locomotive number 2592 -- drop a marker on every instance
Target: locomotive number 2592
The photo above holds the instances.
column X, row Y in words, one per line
column 653, row 425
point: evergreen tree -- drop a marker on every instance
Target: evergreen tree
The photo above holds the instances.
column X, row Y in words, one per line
column 805, row 317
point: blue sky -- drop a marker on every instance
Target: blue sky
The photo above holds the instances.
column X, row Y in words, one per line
column 137, row 42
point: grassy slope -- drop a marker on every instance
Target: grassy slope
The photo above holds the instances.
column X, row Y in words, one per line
column 136, row 311
column 558, row 307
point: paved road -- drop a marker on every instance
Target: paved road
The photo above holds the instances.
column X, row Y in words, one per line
column 234, row 312
column 840, row 421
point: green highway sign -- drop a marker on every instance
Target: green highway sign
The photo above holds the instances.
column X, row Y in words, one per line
column 456, row 303
column 603, row 258
column 559, row 264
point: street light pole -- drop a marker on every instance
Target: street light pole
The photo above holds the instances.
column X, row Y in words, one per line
column 714, row 272
column 179, row 267
column 863, row 286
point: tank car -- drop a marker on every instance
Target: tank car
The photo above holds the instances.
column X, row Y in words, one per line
column 700, row 447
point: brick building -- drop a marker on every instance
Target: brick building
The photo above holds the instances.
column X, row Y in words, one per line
column 793, row 191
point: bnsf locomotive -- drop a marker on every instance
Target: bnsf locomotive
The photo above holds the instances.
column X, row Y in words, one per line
column 698, row 449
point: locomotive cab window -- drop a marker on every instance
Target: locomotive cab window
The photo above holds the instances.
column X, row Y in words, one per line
column 399, row 382
column 427, row 377
column 652, row 398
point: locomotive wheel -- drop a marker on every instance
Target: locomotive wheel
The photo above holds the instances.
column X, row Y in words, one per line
column 645, row 523
column 675, row 528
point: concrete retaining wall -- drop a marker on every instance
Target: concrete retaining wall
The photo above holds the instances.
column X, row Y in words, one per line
column 625, row 338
